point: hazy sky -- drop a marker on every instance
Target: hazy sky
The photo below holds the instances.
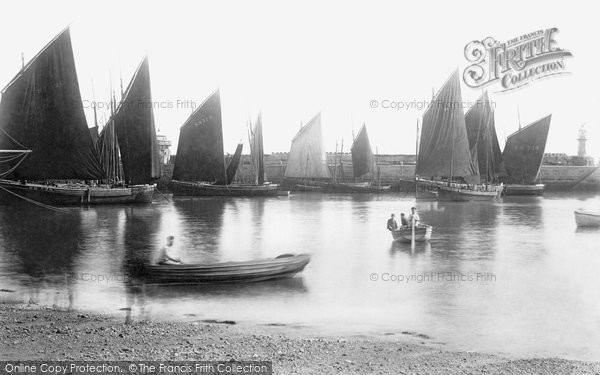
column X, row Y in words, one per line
column 293, row 59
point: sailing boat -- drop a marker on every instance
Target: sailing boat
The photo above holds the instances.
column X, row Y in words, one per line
column 363, row 165
column 42, row 109
column 307, row 161
column 444, row 150
column 523, row 156
column 234, row 163
column 108, row 150
column 200, row 163
column 483, row 140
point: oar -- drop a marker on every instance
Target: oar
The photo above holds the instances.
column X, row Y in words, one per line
column 412, row 241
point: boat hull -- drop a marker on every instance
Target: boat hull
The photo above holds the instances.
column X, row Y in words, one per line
column 422, row 233
column 587, row 218
column 195, row 189
column 351, row 188
column 457, row 194
column 518, row 189
column 74, row 195
column 283, row 266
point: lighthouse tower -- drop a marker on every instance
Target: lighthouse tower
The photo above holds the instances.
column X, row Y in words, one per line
column 581, row 140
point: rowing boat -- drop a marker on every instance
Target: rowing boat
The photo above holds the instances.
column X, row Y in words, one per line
column 587, row 218
column 404, row 234
column 283, row 266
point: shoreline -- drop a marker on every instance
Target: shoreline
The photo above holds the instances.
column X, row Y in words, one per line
column 33, row 332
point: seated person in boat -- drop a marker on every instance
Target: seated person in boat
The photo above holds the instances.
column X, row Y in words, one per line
column 414, row 216
column 392, row 224
column 403, row 221
column 166, row 256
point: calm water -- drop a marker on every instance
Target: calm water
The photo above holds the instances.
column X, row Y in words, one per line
column 513, row 277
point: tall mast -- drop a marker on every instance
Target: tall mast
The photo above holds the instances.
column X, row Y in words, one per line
column 417, row 160
column 335, row 163
column 342, row 160
column 94, row 106
column 451, row 158
column 377, row 164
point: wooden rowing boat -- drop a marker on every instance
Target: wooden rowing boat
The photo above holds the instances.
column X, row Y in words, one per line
column 286, row 265
column 422, row 233
column 587, row 218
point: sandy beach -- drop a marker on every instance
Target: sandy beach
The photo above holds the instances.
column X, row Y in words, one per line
column 32, row 332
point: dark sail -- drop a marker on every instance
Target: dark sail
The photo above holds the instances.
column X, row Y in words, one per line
column 134, row 123
column 362, row 155
column 200, row 148
column 94, row 134
column 108, row 149
column 257, row 152
column 41, row 109
column 481, row 131
column 232, row 167
column 524, row 152
column 444, row 148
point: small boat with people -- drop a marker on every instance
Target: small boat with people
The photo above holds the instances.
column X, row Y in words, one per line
column 405, row 234
column 410, row 229
column 283, row 266
column 585, row 218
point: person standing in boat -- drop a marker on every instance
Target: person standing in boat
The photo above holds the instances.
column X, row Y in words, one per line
column 392, row 224
column 166, row 256
column 413, row 216
column 403, row 221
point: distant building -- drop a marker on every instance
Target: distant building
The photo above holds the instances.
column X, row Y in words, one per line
column 563, row 159
column 163, row 148
column 581, row 142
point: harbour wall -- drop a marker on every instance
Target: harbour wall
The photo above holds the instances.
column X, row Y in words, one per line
column 393, row 169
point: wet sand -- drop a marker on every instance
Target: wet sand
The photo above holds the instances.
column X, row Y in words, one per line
column 32, row 332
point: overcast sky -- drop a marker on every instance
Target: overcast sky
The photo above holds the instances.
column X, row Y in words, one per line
column 291, row 60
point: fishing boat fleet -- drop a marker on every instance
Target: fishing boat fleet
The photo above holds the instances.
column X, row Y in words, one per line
column 52, row 158
column 460, row 154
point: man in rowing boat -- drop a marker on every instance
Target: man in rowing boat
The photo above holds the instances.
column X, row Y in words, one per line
column 391, row 223
column 165, row 256
column 403, row 221
column 413, row 216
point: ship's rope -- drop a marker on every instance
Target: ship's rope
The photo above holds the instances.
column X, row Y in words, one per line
column 10, row 170
column 9, row 158
column 14, row 140
column 161, row 194
column 34, row 202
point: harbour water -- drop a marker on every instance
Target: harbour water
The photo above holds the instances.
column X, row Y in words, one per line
column 514, row 277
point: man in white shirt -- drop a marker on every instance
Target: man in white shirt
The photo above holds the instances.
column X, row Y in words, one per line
column 413, row 216
column 165, row 256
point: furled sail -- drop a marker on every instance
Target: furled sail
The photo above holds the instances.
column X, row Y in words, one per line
column 444, row 147
column 41, row 110
column 134, row 123
column 524, row 152
column 362, row 155
column 108, row 150
column 234, row 163
column 481, row 131
column 257, row 152
column 200, row 148
column 307, row 158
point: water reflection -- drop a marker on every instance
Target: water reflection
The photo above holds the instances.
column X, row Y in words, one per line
column 542, row 301
column 199, row 222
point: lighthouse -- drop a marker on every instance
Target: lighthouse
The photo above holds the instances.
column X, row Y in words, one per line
column 581, row 142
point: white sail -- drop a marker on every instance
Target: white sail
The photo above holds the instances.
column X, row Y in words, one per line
column 307, row 158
